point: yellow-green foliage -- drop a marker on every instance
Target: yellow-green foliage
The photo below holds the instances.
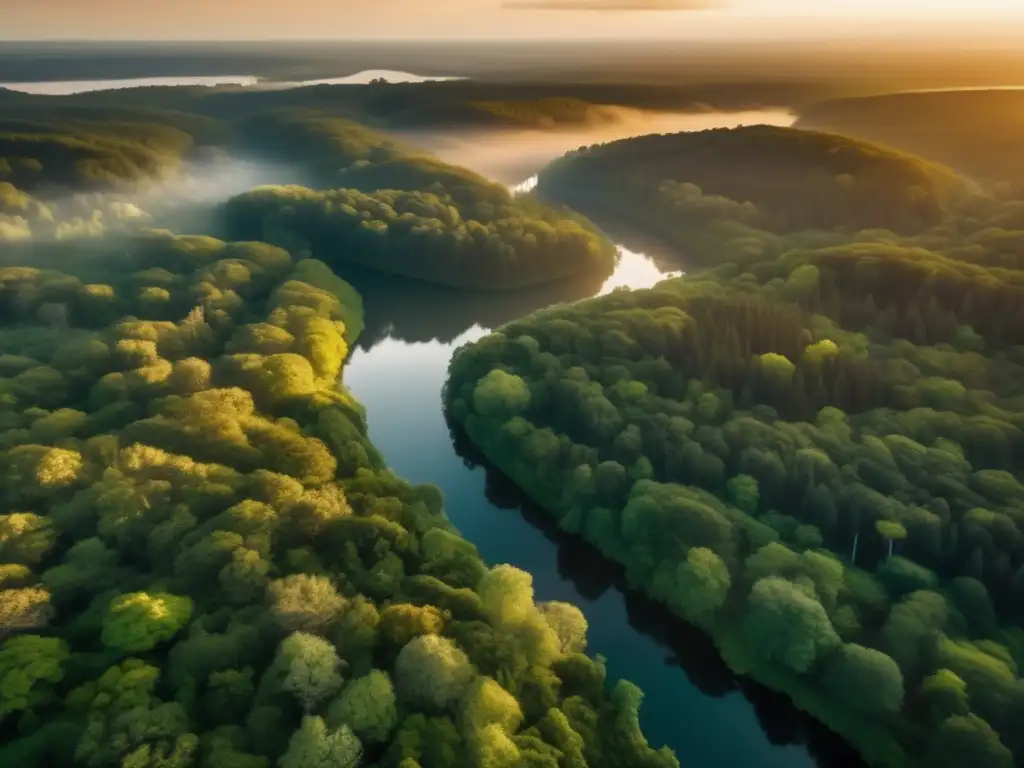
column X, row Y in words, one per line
column 428, row 234
column 182, row 479
column 139, row 621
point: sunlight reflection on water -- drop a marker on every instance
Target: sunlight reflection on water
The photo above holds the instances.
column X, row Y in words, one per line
column 634, row 270
column 69, row 87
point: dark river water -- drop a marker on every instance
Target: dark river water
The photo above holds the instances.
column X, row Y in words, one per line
column 711, row 718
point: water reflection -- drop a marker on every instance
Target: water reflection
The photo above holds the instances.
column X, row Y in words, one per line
column 415, row 312
column 369, row 75
column 800, row 739
column 636, row 270
column 412, row 311
column 68, row 87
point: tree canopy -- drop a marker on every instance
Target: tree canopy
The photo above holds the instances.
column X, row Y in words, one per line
column 205, row 561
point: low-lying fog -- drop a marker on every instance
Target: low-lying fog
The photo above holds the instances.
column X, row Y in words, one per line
column 511, row 156
column 187, row 201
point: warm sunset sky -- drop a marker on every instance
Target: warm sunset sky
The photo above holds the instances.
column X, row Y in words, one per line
column 348, row 19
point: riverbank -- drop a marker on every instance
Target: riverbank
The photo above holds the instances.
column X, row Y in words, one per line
column 692, row 703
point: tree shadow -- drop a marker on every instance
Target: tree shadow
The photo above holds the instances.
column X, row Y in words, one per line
column 687, row 648
column 416, row 311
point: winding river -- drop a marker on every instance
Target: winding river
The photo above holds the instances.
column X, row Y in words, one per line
column 711, row 718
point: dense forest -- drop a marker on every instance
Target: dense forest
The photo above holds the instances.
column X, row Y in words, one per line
column 811, row 450
column 752, row 178
column 87, row 149
column 424, row 235
column 975, row 132
column 206, row 563
column 405, row 212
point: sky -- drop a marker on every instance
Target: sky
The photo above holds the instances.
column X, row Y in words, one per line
column 435, row 19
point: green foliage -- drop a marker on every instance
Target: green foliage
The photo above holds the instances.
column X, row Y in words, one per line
column 368, row 706
column 139, row 621
column 743, row 491
column 391, row 208
column 485, row 704
column 29, row 666
column 698, row 588
column 442, row 235
column 507, row 594
column 500, row 395
column 313, row 745
column 432, row 673
column 946, row 695
column 902, row 576
column 967, row 740
column 696, row 188
column 311, row 669
column 183, row 479
column 865, row 679
column 786, row 625
column 832, row 414
column 568, row 623
column 305, row 602
column 94, row 153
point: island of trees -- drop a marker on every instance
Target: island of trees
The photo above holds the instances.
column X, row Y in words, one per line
column 205, row 562
column 690, row 188
column 811, row 450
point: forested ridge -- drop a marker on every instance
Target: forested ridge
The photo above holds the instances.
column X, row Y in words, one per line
column 778, row 179
column 52, row 149
column 812, row 451
column 976, row 132
column 448, row 104
column 425, row 235
column 206, row 563
column 405, row 212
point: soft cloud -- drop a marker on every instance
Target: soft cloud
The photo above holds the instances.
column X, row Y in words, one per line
column 615, row 5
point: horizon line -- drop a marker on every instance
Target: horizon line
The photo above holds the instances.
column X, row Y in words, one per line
column 782, row 38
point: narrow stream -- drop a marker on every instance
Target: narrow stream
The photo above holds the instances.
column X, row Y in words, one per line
column 711, row 718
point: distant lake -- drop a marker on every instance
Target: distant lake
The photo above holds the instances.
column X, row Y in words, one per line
column 364, row 77
column 68, row 87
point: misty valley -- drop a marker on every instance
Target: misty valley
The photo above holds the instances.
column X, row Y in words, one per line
column 359, row 417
